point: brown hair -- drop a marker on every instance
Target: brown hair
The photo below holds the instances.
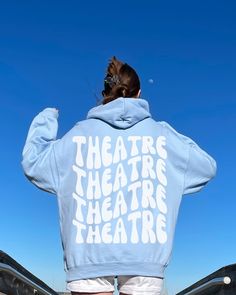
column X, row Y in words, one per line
column 121, row 81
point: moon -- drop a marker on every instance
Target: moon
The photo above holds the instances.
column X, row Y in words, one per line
column 151, row 81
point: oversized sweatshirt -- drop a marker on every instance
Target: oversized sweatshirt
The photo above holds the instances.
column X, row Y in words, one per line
column 119, row 177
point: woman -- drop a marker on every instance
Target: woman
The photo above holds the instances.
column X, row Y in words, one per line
column 119, row 177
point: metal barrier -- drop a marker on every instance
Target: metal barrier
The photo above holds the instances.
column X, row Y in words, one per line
column 209, row 284
column 16, row 280
column 220, row 282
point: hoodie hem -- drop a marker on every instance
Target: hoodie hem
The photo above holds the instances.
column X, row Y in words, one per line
column 87, row 271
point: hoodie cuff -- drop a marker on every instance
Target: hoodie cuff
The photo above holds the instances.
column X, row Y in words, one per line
column 50, row 112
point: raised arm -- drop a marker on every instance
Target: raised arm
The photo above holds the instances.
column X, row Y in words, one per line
column 39, row 163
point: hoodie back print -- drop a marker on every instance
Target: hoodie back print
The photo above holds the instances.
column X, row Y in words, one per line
column 119, row 177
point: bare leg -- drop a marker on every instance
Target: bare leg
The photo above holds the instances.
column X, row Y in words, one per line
column 123, row 294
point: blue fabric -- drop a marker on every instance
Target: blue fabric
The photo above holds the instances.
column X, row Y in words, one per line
column 119, row 177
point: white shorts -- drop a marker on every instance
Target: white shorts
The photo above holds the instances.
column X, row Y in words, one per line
column 133, row 285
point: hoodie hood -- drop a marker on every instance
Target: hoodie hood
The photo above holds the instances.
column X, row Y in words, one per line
column 122, row 112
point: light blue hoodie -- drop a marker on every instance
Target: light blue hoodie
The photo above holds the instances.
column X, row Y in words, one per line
column 119, row 177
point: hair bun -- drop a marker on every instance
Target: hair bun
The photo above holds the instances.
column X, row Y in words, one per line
column 121, row 81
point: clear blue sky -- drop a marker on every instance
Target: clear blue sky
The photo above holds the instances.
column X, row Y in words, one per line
column 54, row 54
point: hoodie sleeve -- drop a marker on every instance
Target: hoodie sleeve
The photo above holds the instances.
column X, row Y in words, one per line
column 39, row 163
column 200, row 169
